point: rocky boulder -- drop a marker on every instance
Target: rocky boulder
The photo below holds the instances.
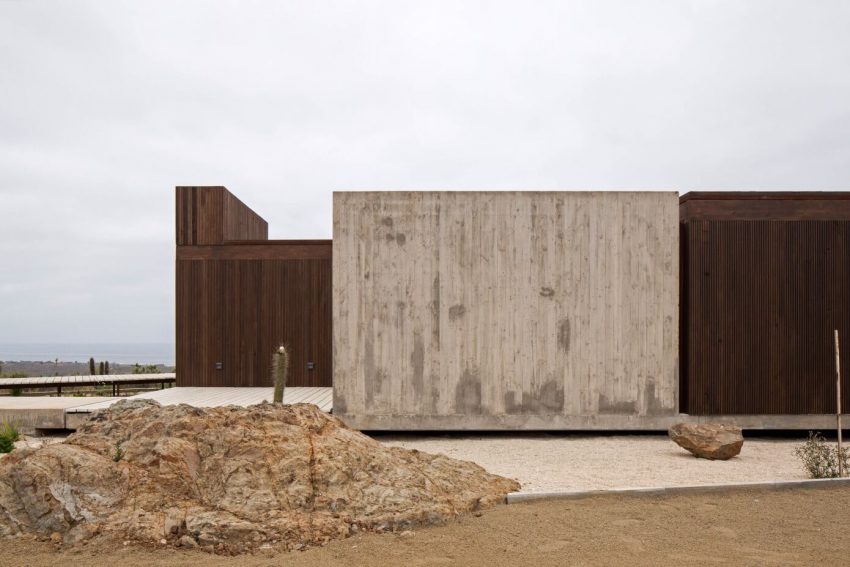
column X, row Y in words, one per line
column 230, row 479
column 708, row 440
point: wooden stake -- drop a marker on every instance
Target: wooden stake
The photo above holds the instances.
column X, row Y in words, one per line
column 838, row 404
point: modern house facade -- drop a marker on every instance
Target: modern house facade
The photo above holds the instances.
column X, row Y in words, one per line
column 240, row 295
column 526, row 310
column 503, row 310
column 765, row 283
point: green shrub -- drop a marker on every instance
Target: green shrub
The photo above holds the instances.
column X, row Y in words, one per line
column 820, row 459
column 9, row 430
column 117, row 452
column 8, row 435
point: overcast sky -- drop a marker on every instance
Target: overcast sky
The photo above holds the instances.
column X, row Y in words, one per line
column 106, row 106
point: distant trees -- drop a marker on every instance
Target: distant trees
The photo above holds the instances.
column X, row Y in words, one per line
column 145, row 369
column 102, row 367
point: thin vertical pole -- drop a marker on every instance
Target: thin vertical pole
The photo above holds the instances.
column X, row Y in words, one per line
column 838, row 404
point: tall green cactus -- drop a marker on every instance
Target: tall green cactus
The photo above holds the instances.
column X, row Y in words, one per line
column 280, row 371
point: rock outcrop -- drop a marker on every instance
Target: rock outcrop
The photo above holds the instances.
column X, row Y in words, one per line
column 230, row 479
column 708, row 440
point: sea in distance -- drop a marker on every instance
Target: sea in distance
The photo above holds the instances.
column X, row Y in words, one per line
column 121, row 353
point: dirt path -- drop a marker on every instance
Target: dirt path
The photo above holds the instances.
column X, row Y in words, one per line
column 799, row 527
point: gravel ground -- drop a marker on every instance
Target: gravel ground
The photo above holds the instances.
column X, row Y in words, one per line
column 547, row 462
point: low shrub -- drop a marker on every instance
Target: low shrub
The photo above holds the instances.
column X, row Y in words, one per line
column 820, row 459
column 8, row 435
column 117, row 452
column 9, row 430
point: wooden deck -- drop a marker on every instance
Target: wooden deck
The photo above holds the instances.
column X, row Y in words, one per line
column 54, row 381
column 216, row 397
column 58, row 382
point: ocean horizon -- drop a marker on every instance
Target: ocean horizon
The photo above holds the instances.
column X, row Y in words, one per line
column 122, row 353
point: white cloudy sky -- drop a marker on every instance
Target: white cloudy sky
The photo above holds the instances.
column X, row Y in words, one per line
column 106, row 106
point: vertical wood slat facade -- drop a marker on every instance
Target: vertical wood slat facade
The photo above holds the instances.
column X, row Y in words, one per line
column 213, row 215
column 240, row 295
column 766, row 280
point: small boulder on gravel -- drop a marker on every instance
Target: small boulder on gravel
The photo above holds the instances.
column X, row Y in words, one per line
column 715, row 441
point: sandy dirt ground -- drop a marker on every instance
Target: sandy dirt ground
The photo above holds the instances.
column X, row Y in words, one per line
column 548, row 462
column 747, row 527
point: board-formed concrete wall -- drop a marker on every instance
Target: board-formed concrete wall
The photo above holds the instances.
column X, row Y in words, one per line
column 505, row 310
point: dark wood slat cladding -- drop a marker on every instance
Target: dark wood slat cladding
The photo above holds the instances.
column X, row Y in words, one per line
column 240, row 295
column 796, row 206
column 212, row 215
column 236, row 312
column 760, row 302
column 269, row 250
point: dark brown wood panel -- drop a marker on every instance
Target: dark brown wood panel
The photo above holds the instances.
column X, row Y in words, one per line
column 240, row 295
column 269, row 250
column 236, row 313
column 212, row 215
column 760, row 302
column 796, row 206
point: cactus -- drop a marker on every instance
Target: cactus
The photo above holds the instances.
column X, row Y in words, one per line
column 280, row 370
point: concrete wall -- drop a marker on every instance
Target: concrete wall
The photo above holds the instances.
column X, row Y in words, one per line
column 505, row 310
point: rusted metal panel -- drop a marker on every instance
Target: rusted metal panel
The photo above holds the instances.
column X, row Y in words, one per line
column 505, row 310
column 761, row 299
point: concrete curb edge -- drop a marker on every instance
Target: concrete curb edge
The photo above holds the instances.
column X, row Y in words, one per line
column 517, row 497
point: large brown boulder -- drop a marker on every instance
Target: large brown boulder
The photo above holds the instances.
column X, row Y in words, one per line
column 230, row 479
column 708, row 440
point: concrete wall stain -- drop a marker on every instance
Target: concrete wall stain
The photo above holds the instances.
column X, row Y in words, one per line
column 456, row 312
column 564, row 335
column 545, row 399
column 398, row 238
column 607, row 406
column 417, row 362
column 512, row 404
column 435, row 311
column 468, row 393
column 653, row 403
column 374, row 377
